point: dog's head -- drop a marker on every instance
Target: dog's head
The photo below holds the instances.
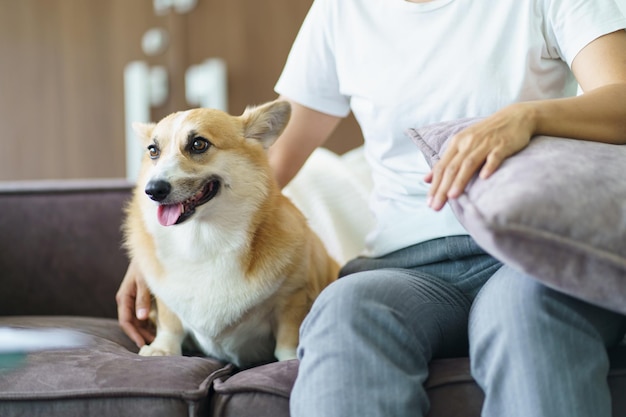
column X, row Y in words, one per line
column 198, row 157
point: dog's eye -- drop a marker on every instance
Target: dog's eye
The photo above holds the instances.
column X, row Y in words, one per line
column 200, row 145
column 153, row 151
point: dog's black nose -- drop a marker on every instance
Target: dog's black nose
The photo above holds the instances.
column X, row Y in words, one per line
column 158, row 190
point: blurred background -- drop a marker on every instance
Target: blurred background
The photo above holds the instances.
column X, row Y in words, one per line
column 75, row 73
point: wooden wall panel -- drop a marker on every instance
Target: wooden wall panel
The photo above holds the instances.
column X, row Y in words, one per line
column 62, row 63
column 61, row 94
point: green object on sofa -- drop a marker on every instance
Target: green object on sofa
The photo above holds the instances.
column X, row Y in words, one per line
column 61, row 263
column 11, row 360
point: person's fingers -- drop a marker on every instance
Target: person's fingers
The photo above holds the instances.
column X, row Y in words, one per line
column 437, row 178
column 481, row 148
column 493, row 162
column 469, row 165
column 446, row 178
column 140, row 332
column 455, row 169
column 143, row 299
column 127, row 320
column 147, row 331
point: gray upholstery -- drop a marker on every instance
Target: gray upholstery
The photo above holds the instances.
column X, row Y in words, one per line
column 106, row 377
column 60, row 265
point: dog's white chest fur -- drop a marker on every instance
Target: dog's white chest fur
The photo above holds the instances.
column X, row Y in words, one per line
column 207, row 288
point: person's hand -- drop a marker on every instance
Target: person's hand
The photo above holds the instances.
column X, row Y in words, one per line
column 133, row 307
column 485, row 144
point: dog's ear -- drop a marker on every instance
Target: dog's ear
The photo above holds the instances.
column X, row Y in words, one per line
column 266, row 122
column 143, row 130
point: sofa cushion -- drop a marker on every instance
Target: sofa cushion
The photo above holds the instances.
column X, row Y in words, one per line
column 104, row 378
column 264, row 391
column 556, row 211
column 260, row 392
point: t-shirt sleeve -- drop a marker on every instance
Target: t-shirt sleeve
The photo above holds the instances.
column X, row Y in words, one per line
column 573, row 24
column 309, row 76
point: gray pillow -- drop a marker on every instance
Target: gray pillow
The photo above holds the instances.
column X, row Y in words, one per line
column 556, row 211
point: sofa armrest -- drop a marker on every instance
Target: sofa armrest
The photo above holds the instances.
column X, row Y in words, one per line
column 61, row 246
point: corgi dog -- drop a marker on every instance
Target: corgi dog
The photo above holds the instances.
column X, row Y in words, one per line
column 229, row 259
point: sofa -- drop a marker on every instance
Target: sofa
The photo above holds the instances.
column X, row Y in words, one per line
column 61, row 262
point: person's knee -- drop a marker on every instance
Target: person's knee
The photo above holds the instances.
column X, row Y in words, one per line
column 362, row 294
column 403, row 307
column 530, row 345
column 346, row 298
column 346, row 311
column 514, row 311
column 510, row 315
column 506, row 304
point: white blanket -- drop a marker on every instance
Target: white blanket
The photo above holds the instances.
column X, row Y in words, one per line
column 333, row 191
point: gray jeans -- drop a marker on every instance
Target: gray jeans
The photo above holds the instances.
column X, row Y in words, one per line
column 365, row 346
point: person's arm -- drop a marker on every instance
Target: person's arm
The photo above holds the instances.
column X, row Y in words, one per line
column 599, row 114
column 307, row 129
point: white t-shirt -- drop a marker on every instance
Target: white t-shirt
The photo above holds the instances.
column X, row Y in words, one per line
column 397, row 65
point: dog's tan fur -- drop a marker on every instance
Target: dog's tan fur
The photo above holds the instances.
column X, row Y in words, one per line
column 241, row 273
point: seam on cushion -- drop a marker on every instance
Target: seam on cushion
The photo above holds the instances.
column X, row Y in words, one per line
column 217, row 408
column 221, row 389
column 199, row 393
column 207, row 384
column 422, row 145
column 252, row 389
column 448, row 380
column 64, row 187
column 99, row 393
column 92, row 393
column 222, row 408
column 452, row 383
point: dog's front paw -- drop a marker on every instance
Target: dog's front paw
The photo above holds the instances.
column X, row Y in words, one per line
column 155, row 350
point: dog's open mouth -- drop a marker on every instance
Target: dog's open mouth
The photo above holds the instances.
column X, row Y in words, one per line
column 170, row 214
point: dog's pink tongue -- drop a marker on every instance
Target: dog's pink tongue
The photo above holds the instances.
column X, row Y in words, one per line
column 168, row 214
